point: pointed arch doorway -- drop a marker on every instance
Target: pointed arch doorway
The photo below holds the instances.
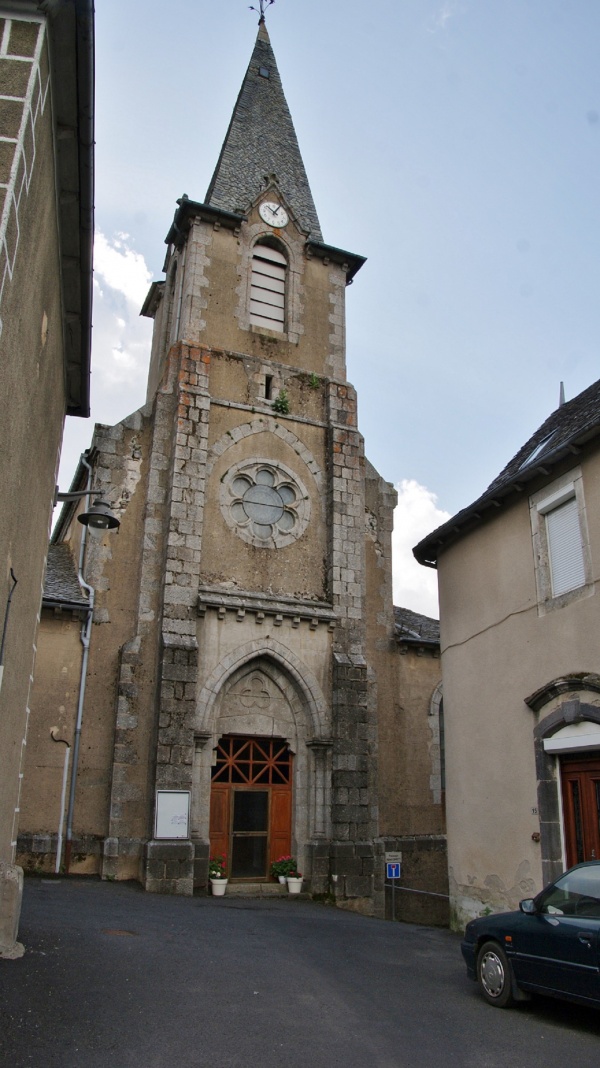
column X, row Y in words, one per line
column 251, row 804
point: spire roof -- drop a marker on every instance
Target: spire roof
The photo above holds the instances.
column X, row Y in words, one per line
column 261, row 145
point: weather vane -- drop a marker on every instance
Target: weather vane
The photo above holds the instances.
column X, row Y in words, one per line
column 263, row 5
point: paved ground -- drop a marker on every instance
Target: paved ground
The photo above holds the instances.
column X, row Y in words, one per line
column 115, row 977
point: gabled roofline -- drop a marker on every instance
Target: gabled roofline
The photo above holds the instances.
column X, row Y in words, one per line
column 497, row 496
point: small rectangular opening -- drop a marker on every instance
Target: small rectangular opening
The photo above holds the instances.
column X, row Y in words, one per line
column 268, row 386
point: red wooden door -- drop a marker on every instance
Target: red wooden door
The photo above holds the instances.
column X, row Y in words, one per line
column 581, row 806
column 251, row 804
column 219, row 821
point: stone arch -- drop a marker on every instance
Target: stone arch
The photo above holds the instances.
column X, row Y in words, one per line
column 303, row 720
column 259, row 425
column 303, row 678
column 566, row 712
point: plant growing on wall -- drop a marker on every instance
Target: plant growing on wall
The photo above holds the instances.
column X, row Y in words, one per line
column 281, row 403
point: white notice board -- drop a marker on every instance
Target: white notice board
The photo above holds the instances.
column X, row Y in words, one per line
column 172, row 819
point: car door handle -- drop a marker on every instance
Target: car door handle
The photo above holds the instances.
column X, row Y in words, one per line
column 587, row 937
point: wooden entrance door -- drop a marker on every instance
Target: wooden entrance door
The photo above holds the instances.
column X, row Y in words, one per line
column 251, row 804
column 581, row 805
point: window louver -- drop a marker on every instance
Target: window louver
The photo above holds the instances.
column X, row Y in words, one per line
column 267, row 295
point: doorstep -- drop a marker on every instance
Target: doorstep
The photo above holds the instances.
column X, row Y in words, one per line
column 256, row 890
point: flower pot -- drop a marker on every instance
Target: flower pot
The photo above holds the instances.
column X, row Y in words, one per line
column 294, row 885
column 282, row 879
column 217, row 887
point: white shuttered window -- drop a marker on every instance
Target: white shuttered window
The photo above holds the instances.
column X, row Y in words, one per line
column 267, row 295
column 565, row 549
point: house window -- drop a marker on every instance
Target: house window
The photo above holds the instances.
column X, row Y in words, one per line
column 267, row 294
column 561, row 544
column 565, row 550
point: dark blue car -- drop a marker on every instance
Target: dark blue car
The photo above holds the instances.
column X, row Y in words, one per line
column 551, row 946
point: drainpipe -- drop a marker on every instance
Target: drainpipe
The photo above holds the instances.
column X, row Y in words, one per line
column 54, row 735
column 85, row 641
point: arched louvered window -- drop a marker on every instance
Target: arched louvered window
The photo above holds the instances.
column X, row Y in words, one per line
column 267, row 295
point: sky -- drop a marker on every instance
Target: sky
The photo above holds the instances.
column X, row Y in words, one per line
column 454, row 143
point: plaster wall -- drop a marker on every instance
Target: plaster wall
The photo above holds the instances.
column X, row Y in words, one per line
column 31, row 381
column 498, row 649
column 53, row 704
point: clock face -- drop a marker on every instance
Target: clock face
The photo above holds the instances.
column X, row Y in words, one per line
column 273, row 213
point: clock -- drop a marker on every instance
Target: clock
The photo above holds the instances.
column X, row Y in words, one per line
column 273, row 213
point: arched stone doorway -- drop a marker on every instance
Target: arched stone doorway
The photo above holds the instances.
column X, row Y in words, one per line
column 262, row 773
column 567, row 755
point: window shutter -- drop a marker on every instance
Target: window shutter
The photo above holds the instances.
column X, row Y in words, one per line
column 267, row 295
column 565, row 549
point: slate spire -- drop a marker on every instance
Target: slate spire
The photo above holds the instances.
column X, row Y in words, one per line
column 261, row 143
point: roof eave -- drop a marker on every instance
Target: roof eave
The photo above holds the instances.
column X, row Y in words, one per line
column 427, row 551
column 188, row 210
column 349, row 261
column 428, row 643
column 71, row 47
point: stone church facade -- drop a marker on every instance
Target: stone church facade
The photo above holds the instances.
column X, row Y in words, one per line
column 244, row 650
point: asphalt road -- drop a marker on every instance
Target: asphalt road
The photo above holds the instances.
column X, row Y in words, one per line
column 116, row 977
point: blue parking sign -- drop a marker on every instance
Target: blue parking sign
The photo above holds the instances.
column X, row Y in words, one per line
column 393, row 871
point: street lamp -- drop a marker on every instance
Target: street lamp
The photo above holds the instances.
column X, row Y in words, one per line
column 99, row 517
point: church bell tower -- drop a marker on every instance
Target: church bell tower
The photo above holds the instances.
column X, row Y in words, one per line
column 246, row 684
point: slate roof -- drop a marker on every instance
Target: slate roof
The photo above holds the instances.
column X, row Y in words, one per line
column 261, row 142
column 563, row 434
column 414, row 628
column 61, row 585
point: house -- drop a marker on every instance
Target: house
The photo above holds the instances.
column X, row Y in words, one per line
column 518, row 572
column 46, row 235
column 244, row 658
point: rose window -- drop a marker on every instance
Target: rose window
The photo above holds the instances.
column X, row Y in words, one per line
column 264, row 503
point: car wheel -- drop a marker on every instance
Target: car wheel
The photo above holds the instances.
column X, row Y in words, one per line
column 494, row 975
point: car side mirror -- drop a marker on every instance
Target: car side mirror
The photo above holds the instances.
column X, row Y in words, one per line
column 528, row 906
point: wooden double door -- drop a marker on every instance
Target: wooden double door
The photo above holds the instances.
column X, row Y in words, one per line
column 251, row 805
column 581, row 807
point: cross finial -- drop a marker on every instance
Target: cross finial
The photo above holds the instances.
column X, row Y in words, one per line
column 264, row 4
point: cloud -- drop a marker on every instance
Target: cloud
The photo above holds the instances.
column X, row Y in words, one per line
column 121, row 342
column 440, row 18
column 416, row 515
column 121, row 339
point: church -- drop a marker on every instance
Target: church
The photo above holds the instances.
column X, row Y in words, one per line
column 228, row 671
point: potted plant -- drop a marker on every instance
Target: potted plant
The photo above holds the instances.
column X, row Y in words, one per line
column 217, row 873
column 281, row 868
column 294, row 881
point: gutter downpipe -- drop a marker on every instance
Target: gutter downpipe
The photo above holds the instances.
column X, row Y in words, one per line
column 85, row 641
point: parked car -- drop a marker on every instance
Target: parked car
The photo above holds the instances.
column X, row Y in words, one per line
column 550, row 946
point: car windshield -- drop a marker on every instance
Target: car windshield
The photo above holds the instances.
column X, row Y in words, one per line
column 575, row 894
